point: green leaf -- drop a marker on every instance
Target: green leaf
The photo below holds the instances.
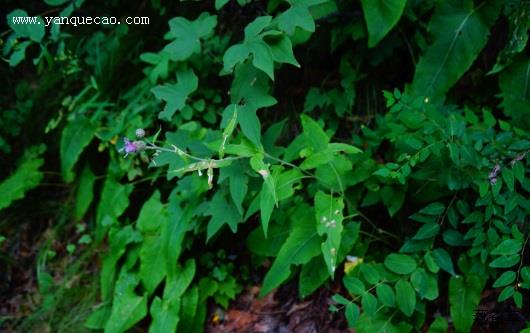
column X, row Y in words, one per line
column 405, row 297
column 454, row 238
column 340, row 299
column 505, row 279
column 85, row 192
column 220, row 4
column 165, row 312
column 427, row 231
column 151, row 215
column 435, row 209
column 19, row 53
column 175, row 95
column 301, row 245
column 255, row 27
column 369, row 304
column 179, row 281
column 370, row 274
column 386, row 295
column 518, row 171
column 513, row 83
column 439, row 325
column 189, row 310
column 354, row 286
column 267, row 247
column 282, row 50
column 379, row 323
column 187, row 35
column 267, row 201
column 250, row 124
column 312, row 275
column 430, row 262
column 118, row 240
column 352, row 314
column 443, row 259
column 262, row 57
column 425, row 284
column 268, row 194
column 520, row 145
column 381, row 16
column 55, row 2
column 327, row 155
column 286, row 182
column 464, row 297
column 518, row 299
column 238, row 183
column 525, row 274
column 127, row 308
column 26, row 177
column 234, row 55
column 152, row 259
column 460, row 31
column 164, row 315
column 297, row 15
column 505, row 261
column 173, row 233
column 506, row 293
column 512, row 202
column 508, row 247
column 253, row 44
column 400, row 263
column 97, row 319
column 328, row 214
column 250, row 91
column 314, row 134
column 75, row 137
column 34, row 31
column 229, row 113
column 508, row 177
column 222, row 212
column 483, row 188
column 114, row 200
column 315, row 273
column 393, row 198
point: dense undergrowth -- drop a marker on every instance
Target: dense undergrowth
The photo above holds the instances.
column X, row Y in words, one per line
column 152, row 170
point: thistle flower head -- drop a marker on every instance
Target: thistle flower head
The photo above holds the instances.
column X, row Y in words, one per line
column 129, row 147
column 132, row 147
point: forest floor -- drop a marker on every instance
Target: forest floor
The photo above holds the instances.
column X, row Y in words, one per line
column 23, row 300
column 279, row 312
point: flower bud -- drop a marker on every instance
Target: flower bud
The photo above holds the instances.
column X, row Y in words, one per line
column 140, row 133
column 140, row 145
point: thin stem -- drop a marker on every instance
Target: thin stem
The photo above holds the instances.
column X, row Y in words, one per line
column 311, row 175
column 363, row 293
column 447, row 210
column 178, row 151
column 52, row 173
column 379, row 230
column 175, row 150
column 521, row 261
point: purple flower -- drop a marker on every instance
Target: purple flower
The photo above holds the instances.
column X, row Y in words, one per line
column 132, row 147
column 495, row 171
